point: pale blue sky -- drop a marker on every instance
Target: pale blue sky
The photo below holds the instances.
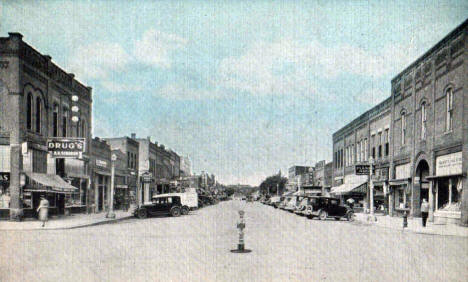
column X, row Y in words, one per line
column 245, row 88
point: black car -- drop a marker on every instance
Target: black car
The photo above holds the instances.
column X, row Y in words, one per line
column 325, row 207
column 169, row 205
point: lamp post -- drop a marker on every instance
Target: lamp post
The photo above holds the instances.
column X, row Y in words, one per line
column 371, row 188
column 110, row 212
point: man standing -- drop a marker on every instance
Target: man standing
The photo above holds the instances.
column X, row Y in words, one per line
column 424, row 212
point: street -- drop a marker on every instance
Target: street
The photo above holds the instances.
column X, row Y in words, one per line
column 285, row 247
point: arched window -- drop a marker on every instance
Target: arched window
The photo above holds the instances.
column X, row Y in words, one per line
column 55, row 121
column 29, row 111
column 64, row 122
column 449, row 99
column 403, row 127
column 423, row 120
column 38, row 114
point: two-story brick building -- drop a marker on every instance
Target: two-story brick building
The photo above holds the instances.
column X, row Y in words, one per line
column 35, row 105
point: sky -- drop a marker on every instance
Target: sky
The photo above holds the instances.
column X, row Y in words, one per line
column 244, row 88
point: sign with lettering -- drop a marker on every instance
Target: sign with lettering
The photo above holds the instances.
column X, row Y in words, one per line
column 362, row 169
column 101, row 163
column 450, row 164
column 66, row 147
column 4, row 176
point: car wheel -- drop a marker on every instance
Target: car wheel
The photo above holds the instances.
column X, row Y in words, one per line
column 142, row 213
column 323, row 215
column 350, row 216
column 185, row 211
column 175, row 212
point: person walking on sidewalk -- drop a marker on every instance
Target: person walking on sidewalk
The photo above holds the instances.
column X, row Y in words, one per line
column 43, row 210
column 424, row 212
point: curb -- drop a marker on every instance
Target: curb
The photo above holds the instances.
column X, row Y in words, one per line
column 405, row 230
column 110, row 221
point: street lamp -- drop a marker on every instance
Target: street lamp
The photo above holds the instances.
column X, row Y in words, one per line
column 110, row 212
column 371, row 188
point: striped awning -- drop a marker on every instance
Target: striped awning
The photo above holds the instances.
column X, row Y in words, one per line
column 52, row 181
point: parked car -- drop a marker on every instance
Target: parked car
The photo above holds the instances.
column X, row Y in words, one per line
column 325, row 207
column 284, row 203
column 166, row 205
column 291, row 205
column 274, row 201
column 189, row 201
column 302, row 205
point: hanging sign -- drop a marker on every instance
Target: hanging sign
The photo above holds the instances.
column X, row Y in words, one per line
column 66, row 147
column 362, row 169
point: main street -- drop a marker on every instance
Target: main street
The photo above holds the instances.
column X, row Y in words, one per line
column 286, row 247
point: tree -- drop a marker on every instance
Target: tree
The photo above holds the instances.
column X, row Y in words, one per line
column 272, row 183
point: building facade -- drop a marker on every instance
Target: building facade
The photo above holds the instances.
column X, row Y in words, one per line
column 417, row 138
column 36, row 105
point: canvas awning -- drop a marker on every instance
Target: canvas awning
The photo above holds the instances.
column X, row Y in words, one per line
column 357, row 187
column 52, row 181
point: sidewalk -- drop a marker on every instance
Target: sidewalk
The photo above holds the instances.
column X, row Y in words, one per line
column 65, row 222
column 414, row 225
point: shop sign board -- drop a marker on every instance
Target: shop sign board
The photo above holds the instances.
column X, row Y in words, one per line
column 66, row 147
column 101, row 163
column 450, row 164
column 362, row 169
column 402, row 171
column 147, row 177
column 4, row 176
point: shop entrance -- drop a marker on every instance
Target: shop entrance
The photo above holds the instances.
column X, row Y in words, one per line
column 422, row 186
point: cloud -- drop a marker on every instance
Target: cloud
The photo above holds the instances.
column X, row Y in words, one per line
column 155, row 48
column 98, row 60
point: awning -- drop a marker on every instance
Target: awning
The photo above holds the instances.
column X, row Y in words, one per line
column 397, row 182
column 441, row 176
column 51, row 181
column 358, row 187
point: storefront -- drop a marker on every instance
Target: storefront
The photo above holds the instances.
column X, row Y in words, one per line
column 447, row 188
column 52, row 186
column 381, row 191
column 400, row 190
column 76, row 173
column 101, row 182
column 354, row 187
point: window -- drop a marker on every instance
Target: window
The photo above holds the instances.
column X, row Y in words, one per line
column 380, row 144
column 449, row 123
column 55, row 121
column 29, row 109
column 341, row 158
column 128, row 159
column 386, row 138
column 366, row 153
column 38, row 114
column 423, row 120
column 78, row 128
column 84, row 131
column 64, row 122
column 373, row 146
column 403, row 128
column 358, row 153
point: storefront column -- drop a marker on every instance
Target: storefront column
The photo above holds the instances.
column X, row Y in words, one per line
column 431, row 201
column 391, row 202
column 96, row 193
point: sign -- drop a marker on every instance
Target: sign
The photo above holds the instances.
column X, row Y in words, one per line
column 4, row 176
column 403, row 171
column 362, row 169
column 450, row 164
column 66, row 147
column 147, row 177
column 101, row 163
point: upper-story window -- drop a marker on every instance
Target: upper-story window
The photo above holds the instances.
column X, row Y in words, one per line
column 386, row 138
column 373, row 146
column 65, row 116
column 366, row 150
column 29, row 111
column 55, row 121
column 78, row 128
column 38, row 114
column 423, row 120
column 84, row 129
column 353, row 159
column 358, row 151
column 449, row 99
column 380, row 144
column 403, row 128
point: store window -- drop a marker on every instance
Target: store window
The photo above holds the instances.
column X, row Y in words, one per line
column 449, row 99
column 423, row 120
column 38, row 114
column 403, row 128
column 29, row 111
column 449, row 193
column 55, row 120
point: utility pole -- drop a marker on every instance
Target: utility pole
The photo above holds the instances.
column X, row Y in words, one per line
column 371, row 188
column 110, row 212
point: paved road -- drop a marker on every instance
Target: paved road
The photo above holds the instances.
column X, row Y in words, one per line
column 286, row 247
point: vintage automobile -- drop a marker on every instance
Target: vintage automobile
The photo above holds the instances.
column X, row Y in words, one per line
column 166, row 205
column 291, row 205
column 284, row 203
column 302, row 206
column 274, row 201
column 325, row 207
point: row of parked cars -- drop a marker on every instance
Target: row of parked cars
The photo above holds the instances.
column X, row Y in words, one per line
column 320, row 207
column 173, row 204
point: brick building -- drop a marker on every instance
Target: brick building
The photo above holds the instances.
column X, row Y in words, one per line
column 36, row 104
column 418, row 137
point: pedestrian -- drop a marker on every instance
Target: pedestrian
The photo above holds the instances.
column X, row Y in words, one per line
column 424, row 212
column 43, row 210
